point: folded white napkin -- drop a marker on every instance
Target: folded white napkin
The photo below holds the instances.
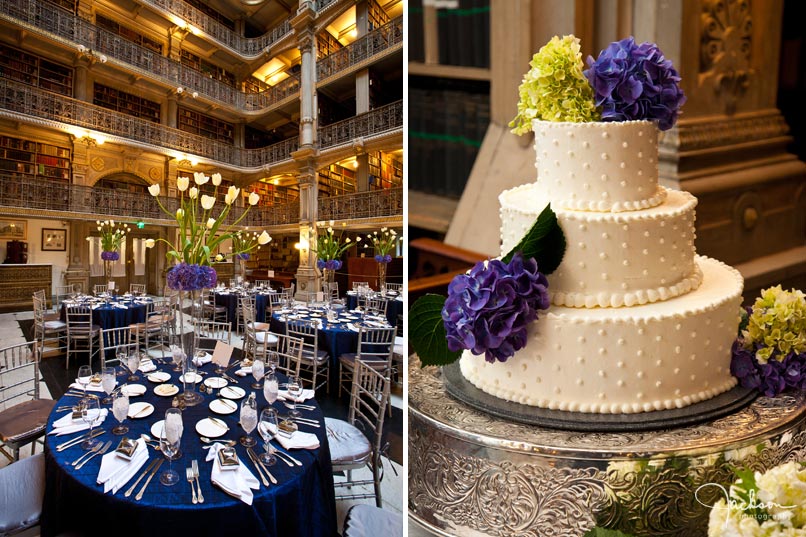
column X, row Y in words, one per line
column 306, row 394
column 121, row 306
column 242, row 372
column 66, row 424
column 351, row 326
column 147, row 366
column 376, row 324
column 298, row 440
column 236, row 483
column 90, row 387
column 116, row 471
column 199, row 361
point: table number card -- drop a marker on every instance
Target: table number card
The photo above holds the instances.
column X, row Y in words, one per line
column 222, row 353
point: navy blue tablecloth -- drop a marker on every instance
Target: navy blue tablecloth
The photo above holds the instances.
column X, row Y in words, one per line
column 230, row 301
column 111, row 316
column 301, row 504
column 393, row 309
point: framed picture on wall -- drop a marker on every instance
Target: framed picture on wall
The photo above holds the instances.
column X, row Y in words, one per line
column 54, row 240
column 13, row 229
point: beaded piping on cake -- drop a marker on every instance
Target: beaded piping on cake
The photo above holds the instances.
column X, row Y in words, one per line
column 601, row 206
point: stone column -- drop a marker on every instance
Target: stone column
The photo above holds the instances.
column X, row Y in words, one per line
column 307, row 275
column 82, row 83
column 77, row 272
column 171, row 109
column 304, row 26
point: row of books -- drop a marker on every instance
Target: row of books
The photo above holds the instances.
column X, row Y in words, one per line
column 446, row 128
column 463, row 33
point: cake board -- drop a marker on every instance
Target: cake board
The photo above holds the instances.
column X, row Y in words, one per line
column 473, row 473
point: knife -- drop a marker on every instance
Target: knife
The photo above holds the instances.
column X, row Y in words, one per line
column 154, row 471
column 259, row 463
column 257, row 466
column 148, row 469
column 219, row 423
column 79, row 439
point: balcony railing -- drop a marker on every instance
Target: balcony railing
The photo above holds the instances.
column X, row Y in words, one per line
column 247, row 48
column 362, row 49
column 57, row 196
column 378, row 121
column 372, row 204
column 42, row 17
column 23, row 100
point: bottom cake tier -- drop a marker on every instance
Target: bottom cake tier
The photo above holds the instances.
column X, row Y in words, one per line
column 625, row 360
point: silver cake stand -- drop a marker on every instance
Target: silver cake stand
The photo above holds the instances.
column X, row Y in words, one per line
column 472, row 473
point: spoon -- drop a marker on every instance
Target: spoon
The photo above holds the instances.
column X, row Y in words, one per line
column 225, row 442
column 150, row 441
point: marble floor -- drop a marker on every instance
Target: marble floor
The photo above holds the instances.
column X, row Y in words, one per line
column 392, row 485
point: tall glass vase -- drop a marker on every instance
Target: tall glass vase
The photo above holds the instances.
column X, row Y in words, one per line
column 190, row 396
column 107, row 272
column 382, row 278
column 328, row 276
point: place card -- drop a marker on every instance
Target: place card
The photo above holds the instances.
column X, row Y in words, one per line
column 222, row 353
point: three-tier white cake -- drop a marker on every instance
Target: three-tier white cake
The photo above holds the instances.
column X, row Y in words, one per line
column 638, row 321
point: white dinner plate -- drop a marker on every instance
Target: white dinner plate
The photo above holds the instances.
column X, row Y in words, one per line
column 140, row 410
column 166, row 390
column 191, row 377
column 232, row 392
column 133, row 390
column 223, row 406
column 334, row 322
column 156, row 430
column 216, row 382
column 159, row 376
column 211, row 428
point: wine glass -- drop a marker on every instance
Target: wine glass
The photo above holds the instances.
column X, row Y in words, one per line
column 84, row 376
column 274, row 361
column 270, row 387
column 120, row 409
column 133, row 363
column 294, row 391
column 178, row 357
column 170, row 440
column 248, row 420
column 90, row 413
column 122, row 355
column 257, row 372
column 108, row 382
column 268, row 427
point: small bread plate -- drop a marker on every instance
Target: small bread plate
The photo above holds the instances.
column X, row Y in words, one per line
column 166, row 390
column 215, row 382
column 223, row 406
column 159, row 376
column 335, row 321
column 191, row 377
column 211, row 427
column 133, row 390
column 232, row 392
column 126, row 448
column 156, row 430
column 140, row 410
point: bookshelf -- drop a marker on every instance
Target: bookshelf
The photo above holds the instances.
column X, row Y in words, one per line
column 449, row 104
column 34, row 159
column 212, row 13
column 326, row 44
column 376, row 15
column 203, row 125
column 29, row 69
column 127, row 33
column 208, row 69
column 336, row 180
column 126, row 103
column 271, row 194
column 254, row 85
column 386, row 171
column 69, row 5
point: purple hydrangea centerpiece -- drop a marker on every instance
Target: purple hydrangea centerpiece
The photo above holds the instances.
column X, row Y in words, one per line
column 383, row 258
column 489, row 309
column 635, row 82
column 770, row 378
column 110, row 256
column 244, row 256
column 331, row 264
column 186, row 277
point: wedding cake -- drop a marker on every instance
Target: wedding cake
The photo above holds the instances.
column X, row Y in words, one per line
column 638, row 321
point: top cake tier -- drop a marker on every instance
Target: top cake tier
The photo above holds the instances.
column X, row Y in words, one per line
column 600, row 167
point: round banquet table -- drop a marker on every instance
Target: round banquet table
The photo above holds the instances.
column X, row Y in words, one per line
column 301, row 504
column 229, row 299
column 118, row 312
column 393, row 308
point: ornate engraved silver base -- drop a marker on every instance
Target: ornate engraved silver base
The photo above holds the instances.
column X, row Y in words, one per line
column 471, row 473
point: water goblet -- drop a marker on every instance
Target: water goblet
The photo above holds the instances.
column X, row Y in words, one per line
column 258, row 369
column 249, row 420
column 122, row 355
column 108, row 382
column 120, row 409
column 133, row 363
column 178, row 357
column 269, row 421
column 84, row 376
column 170, row 440
column 295, row 392
column 90, row 413
column 270, row 387
column 273, row 361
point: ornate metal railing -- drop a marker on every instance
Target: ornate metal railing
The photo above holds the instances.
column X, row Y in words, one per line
column 64, row 198
column 372, row 204
column 320, row 5
column 30, row 101
column 377, row 121
column 246, row 47
column 362, row 49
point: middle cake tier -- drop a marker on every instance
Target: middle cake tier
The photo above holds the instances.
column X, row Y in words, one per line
column 612, row 259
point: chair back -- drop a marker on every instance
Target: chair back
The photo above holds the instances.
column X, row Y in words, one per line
column 307, row 331
column 358, row 285
column 277, row 301
column 394, row 287
column 64, row 291
column 19, row 373
column 114, row 340
column 368, row 400
column 248, row 309
column 331, row 290
column 289, row 351
column 369, row 303
column 79, row 321
column 99, row 288
column 376, row 345
column 135, row 288
column 206, row 333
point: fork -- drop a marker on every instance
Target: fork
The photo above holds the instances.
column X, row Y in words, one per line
column 95, row 448
column 190, row 478
column 195, row 466
column 99, row 452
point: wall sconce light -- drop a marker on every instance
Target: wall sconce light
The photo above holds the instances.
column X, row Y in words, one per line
column 88, row 139
column 91, row 55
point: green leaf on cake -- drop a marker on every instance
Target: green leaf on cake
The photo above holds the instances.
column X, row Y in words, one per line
column 545, row 242
column 427, row 333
